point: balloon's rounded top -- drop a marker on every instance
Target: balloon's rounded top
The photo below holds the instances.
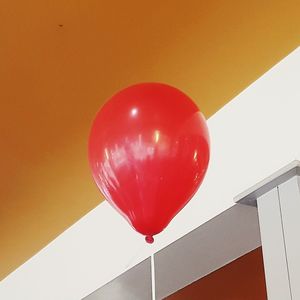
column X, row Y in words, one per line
column 149, row 239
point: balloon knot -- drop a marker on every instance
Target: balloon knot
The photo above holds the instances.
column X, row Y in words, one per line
column 149, row 239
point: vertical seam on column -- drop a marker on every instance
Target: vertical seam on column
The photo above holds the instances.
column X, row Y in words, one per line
column 153, row 277
column 282, row 228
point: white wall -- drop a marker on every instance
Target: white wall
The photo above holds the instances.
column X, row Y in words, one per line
column 252, row 137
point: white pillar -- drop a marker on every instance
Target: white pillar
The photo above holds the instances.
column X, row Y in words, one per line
column 273, row 246
column 278, row 201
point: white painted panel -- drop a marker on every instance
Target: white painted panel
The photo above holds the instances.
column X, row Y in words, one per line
column 135, row 284
column 272, row 237
column 245, row 150
column 206, row 249
column 290, row 208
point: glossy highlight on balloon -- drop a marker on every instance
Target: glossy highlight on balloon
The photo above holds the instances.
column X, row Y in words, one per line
column 149, row 152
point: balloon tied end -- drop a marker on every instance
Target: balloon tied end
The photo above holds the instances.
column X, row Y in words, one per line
column 149, row 239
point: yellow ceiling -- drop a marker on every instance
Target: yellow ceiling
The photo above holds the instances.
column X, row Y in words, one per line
column 59, row 60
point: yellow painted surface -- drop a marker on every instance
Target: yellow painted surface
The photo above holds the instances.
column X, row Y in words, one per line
column 59, row 60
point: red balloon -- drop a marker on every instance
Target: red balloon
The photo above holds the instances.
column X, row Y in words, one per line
column 149, row 151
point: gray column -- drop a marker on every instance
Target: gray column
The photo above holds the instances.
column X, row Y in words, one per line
column 289, row 195
column 273, row 246
column 278, row 201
